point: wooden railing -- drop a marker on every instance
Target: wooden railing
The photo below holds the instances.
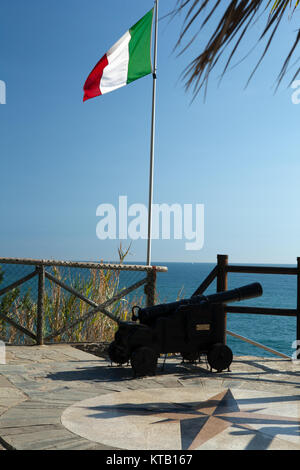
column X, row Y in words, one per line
column 40, row 270
column 220, row 273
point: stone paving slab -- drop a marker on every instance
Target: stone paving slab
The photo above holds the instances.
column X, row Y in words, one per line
column 39, row 382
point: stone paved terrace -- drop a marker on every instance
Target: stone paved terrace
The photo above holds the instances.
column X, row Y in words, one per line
column 59, row 397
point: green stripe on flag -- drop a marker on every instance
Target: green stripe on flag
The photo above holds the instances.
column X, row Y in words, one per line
column 140, row 48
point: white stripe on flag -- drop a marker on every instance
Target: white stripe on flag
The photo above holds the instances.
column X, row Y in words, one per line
column 116, row 72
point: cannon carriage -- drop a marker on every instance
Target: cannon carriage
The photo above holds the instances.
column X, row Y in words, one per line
column 191, row 327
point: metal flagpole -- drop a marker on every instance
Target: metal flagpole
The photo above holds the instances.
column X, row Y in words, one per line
column 152, row 138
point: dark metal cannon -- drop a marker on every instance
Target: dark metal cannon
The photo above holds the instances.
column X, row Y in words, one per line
column 191, row 327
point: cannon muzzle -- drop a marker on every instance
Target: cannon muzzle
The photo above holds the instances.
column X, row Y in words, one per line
column 249, row 291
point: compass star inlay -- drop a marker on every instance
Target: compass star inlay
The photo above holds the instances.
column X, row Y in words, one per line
column 188, row 418
column 202, row 422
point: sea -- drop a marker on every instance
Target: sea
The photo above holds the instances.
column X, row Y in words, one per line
column 279, row 291
column 182, row 280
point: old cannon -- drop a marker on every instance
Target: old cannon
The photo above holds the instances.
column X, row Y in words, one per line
column 191, row 327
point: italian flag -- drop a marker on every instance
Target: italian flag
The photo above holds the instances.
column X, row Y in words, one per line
column 126, row 61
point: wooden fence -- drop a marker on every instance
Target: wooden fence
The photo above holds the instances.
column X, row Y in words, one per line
column 220, row 273
column 40, row 270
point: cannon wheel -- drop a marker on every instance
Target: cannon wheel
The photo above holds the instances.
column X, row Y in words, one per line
column 144, row 361
column 190, row 356
column 219, row 357
column 117, row 353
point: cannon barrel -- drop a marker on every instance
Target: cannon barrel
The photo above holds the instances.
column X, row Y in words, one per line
column 149, row 314
column 249, row 291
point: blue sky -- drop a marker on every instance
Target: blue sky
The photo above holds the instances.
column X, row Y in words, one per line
column 236, row 153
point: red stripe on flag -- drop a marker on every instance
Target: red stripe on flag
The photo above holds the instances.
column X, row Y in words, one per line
column 92, row 85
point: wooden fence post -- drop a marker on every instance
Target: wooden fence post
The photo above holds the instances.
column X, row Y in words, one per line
column 222, row 285
column 150, row 287
column 40, row 306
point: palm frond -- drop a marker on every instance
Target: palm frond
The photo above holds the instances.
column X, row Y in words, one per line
column 234, row 22
column 286, row 2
